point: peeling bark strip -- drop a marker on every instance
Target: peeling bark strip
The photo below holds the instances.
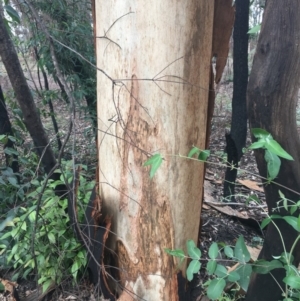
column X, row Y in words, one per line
column 272, row 99
column 236, row 139
column 222, row 30
column 169, row 43
column 223, row 24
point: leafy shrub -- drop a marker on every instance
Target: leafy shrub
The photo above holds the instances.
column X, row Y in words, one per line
column 42, row 241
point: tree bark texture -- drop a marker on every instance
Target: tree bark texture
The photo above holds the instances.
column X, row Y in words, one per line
column 25, row 99
column 272, row 98
column 236, row 139
column 158, row 57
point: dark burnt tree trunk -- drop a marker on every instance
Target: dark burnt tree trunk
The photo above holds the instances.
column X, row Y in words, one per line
column 5, row 129
column 25, row 99
column 236, row 139
column 272, row 98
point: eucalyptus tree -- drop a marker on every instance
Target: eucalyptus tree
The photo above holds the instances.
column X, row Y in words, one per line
column 154, row 89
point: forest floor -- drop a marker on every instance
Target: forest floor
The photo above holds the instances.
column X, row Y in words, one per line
column 221, row 222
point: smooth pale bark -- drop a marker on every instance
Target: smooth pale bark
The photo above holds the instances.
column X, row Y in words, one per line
column 159, row 57
column 272, row 100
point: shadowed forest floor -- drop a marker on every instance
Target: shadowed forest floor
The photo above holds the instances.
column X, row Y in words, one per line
column 220, row 222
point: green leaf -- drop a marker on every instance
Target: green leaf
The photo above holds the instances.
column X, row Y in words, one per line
column 286, row 258
column 25, row 274
column 282, row 196
column 13, row 181
column 11, row 151
column 274, row 147
column 47, row 284
column 12, row 13
column 32, row 215
column 211, row 267
column 193, row 151
column 192, row 269
column 284, row 200
column 204, row 154
column 2, row 181
column 3, row 138
column 221, row 271
column 28, row 263
column 292, row 281
column 262, row 266
column 257, row 144
column 292, row 221
column 51, row 238
column 245, row 272
column 255, row 29
column 260, row 133
column 12, row 138
column 241, row 252
column 213, row 251
column 192, row 249
column 216, row 288
column 228, row 251
column 176, row 253
column 14, row 249
column 6, row 223
column 7, row 234
column 21, row 124
column 267, row 220
column 155, row 162
column 233, row 276
column 293, row 209
column 82, row 256
column 15, row 276
column 273, row 164
column 24, row 226
column 74, row 269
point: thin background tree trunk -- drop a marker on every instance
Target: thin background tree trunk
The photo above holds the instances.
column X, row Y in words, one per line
column 5, row 128
column 272, row 99
column 236, row 139
column 25, row 99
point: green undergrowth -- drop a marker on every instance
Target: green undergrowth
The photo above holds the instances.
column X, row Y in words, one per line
column 36, row 238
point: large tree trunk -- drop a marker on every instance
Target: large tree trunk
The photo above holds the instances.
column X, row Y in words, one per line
column 272, row 99
column 156, row 103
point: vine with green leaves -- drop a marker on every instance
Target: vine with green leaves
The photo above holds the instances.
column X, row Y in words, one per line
column 219, row 275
